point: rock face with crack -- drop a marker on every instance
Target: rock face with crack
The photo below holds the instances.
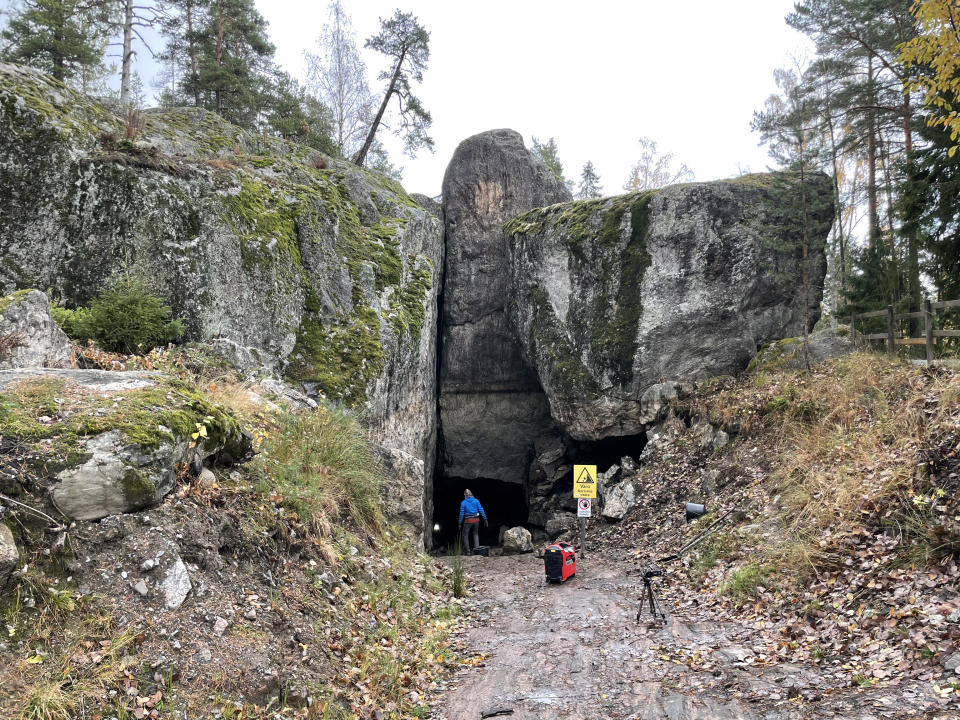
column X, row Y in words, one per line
column 491, row 405
column 618, row 301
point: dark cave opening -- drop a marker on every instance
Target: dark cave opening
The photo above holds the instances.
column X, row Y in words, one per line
column 603, row 453
column 505, row 504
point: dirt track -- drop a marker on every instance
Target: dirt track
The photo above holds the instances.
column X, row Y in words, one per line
column 576, row 651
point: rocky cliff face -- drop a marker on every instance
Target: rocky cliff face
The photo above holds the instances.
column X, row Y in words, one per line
column 617, row 300
column 563, row 324
column 304, row 265
column 491, row 405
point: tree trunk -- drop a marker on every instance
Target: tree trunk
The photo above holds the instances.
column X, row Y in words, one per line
column 841, row 238
column 195, row 75
column 361, row 155
column 126, row 57
column 873, row 218
column 220, row 23
column 804, row 262
column 913, row 239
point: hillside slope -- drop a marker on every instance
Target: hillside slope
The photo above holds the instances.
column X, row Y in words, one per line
column 833, row 518
column 267, row 588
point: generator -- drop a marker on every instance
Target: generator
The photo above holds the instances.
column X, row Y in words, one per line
column 559, row 562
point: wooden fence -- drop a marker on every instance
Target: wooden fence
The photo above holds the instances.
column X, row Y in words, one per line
column 894, row 337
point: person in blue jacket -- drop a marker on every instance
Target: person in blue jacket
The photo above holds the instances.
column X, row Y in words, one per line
column 470, row 513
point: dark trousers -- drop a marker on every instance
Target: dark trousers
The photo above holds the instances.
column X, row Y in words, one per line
column 470, row 529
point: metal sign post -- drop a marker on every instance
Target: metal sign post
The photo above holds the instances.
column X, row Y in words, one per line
column 584, row 489
column 584, row 507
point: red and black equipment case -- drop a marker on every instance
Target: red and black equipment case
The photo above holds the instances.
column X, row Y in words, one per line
column 559, row 562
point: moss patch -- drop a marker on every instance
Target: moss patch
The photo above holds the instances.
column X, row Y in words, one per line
column 340, row 358
column 9, row 300
column 57, row 416
column 263, row 220
column 408, row 304
column 138, row 490
column 547, row 340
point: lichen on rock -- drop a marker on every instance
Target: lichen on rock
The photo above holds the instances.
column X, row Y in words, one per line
column 612, row 297
column 324, row 270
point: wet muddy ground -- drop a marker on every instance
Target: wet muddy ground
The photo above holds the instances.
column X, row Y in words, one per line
column 577, row 651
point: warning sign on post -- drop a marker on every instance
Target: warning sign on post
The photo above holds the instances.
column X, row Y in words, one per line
column 584, row 507
column 585, row 481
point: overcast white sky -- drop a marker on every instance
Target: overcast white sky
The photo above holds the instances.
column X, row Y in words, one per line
column 596, row 76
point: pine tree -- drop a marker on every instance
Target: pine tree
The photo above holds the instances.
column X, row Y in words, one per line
column 59, row 37
column 589, row 183
column 786, row 126
column 232, row 55
column 407, row 43
column 295, row 116
column 548, row 153
column 858, row 74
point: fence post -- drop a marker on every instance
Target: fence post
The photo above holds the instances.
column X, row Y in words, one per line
column 928, row 330
column 853, row 329
column 891, row 345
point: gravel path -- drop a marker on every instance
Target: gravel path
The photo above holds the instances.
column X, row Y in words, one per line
column 577, row 651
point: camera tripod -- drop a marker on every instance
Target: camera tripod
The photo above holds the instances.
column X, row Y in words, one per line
column 648, row 596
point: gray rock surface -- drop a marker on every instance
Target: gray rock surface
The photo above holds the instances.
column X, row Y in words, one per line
column 491, row 405
column 404, row 492
column 618, row 500
column 117, row 477
column 9, row 555
column 329, row 276
column 176, row 585
column 788, row 352
column 612, row 298
column 517, row 540
column 25, row 316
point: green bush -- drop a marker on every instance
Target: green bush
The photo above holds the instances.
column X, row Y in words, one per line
column 126, row 318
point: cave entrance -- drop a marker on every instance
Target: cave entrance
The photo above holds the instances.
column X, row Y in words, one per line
column 604, row 453
column 504, row 502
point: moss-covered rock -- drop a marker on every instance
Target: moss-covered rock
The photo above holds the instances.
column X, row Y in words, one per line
column 111, row 442
column 789, row 352
column 614, row 296
column 243, row 236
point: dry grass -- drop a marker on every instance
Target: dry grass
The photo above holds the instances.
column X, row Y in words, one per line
column 10, row 341
column 848, row 445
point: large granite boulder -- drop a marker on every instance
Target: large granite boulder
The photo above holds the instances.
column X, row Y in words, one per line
column 517, row 540
column 306, row 266
column 618, row 302
column 491, row 405
column 32, row 336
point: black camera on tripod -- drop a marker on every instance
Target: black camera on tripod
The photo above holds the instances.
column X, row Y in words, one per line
column 652, row 573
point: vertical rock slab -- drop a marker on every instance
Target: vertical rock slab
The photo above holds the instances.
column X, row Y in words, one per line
column 32, row 338
column 618, row 302
column 491, row 404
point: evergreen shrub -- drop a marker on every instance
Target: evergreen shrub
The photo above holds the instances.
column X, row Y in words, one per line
column 126, row 318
